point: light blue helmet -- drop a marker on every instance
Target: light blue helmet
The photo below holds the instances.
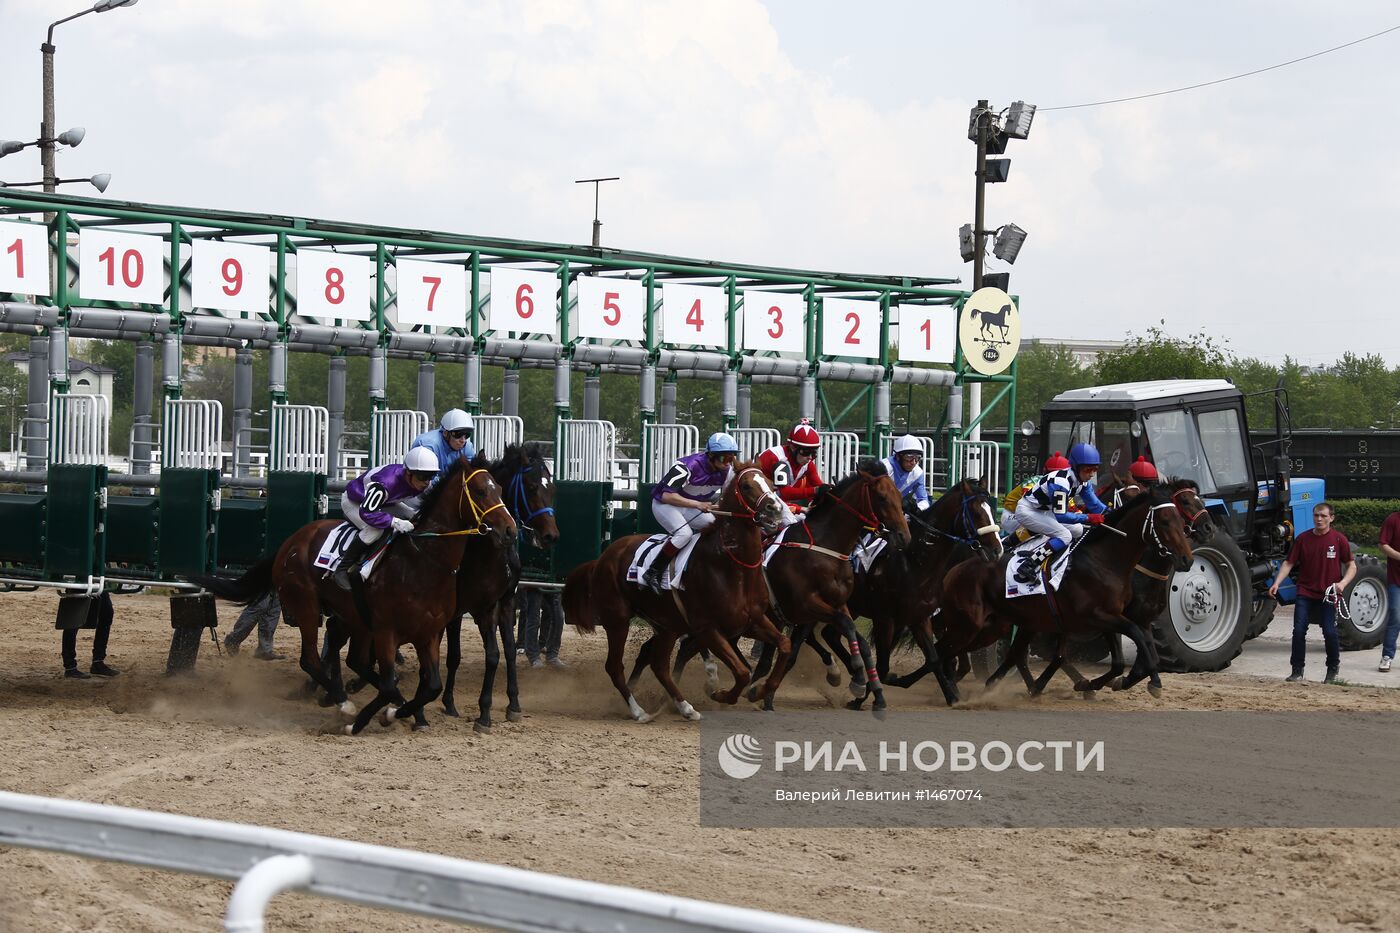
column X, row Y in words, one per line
column 1082, row 455
column 721, row 443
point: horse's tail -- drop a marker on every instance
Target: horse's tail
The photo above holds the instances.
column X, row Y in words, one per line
column 253, row 585
column 976, row 313
column 578, row 608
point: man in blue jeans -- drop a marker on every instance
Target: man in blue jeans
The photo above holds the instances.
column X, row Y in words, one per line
column 1390, row 547
column 1325, row 566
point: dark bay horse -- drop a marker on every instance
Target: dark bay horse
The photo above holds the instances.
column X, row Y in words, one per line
column 490, row 573
column 901, row 591
column 410, row 597
column 1091, row 598
column 725, row 594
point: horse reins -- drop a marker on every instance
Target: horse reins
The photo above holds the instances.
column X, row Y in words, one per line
column 520, row 501
column 478, row 513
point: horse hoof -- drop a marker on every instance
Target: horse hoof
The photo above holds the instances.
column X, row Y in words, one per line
column 348, row 708
column 386, row 716
column 514, row 715
column 354, row 685
column 1155, row 691
column 856, row 704
column 451, row 711
column 419, row 726
column 325, row 700
column 857, row 689
column 833, row 675
column 481, row 728
column 879, row 713
column 1082, row 686
column 752, row 694
column 350, row 729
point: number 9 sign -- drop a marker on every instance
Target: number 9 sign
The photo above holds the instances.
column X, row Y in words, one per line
column 523, row 302
column 230, row 276
column 851, row 328
column 611, row 309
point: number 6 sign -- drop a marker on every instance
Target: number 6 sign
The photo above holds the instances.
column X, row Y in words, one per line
column 24, row 259
column 121, row 267
column 523, row 302
column 333, row 285
column 433, row 293
column 229, row 276
column 774, row 321
column 851, row 328
column 613, row 309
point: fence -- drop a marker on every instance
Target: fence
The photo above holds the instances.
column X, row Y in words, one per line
column 585, row 450
column 494, row 433
column 300, row 438
column 192, row 433
column 78, row 429
column 754, row 441
column 663, row 445
column 838, row 455
column 391, row 433
column 270, row 861
column 977, row 460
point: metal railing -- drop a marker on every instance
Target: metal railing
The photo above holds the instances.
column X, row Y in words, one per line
column 391, row 433
column 977, row 460
column 191, row 436
column 300, row 438
column 267, row 862
column 585, row 450
column 78, row 426
column 754, row 441
column 663, row 445
column 494, row 433
column 838, row 455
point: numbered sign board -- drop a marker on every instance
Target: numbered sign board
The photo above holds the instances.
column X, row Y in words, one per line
column 334, row 285
column 230, row 276
column 611, row 309
column 24, row 259
column 851, row 328
column 116, row 266
column 523, row 302
column 927, row 333
column 694, row 314
column 774, row 321
column 432, row 293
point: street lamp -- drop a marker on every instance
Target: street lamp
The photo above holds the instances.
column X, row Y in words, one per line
column 99, row 181
column 597, row 224
column 70, row 138
column 46, row 134
column 990, row 131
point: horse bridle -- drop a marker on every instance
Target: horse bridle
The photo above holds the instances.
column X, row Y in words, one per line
column 867, row 521
column 520, row 501
column 973, row 532
column 478, row 513
column 752, row 512
column 1149, row 525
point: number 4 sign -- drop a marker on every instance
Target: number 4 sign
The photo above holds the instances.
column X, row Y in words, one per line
column 433, row 293
column 611, row 309
column 851, row 328
column 694, row 314
column 24, row 259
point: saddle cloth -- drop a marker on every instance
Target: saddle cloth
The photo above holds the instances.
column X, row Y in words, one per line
column 646, row 555
column 333, row 549
column 1022, row 553
column 869, row 548
column 772, row 545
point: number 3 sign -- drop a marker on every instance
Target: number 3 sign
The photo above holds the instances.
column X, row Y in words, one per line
column 333, row 285
column 613, row 309
column 774, row 321
column 522, row 302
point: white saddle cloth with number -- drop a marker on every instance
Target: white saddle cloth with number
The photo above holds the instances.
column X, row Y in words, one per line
column 333, row 549
column 1026, row 552
column 646, row 555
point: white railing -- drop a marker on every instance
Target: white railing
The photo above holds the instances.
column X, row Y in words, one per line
column 270, row 861
column 664, row 444
column 494, row 433
column 838, row 455
column 391, row 433
column 977, row 460
column 78, row 426
column 192, row 432
column 585, row 450
column 754, row 441
column 300, row 438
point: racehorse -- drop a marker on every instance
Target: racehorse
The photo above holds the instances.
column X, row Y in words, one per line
column 409, row 598
column 990, row 320
column 900, row 592
column 489, row 574
column 725, row 594
column 1092, row 596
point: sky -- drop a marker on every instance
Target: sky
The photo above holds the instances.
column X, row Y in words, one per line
column 796, row 133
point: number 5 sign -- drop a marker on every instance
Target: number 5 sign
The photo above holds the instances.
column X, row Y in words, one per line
column 774, row 321
column 24, row 259
column 121, row 267
column 333, row 285
column 522, row 302
column 229, row 276
column 433, row 293
column 613, row 309
column 851, row 328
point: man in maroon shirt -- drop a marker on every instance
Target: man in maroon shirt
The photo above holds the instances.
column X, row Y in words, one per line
column 1325, row 566
column 1390, row 547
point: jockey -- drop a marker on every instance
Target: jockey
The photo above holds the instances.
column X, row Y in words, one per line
column 451, row 440
column 792, row 468
column 681, row 502
column 903, row 467
column 1046, row 509
column 383, row 499
column 1143, row 474
column 1055, row 461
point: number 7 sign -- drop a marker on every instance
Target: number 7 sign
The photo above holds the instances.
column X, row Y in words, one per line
column 433, row 293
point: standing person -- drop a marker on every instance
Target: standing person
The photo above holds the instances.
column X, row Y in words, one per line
column 1325, row 566
column 792, row 469
column 100, row 667
column 1390, row 547
column 263, row 615
column 541, row 626
column 682, row 501
column 451, row 440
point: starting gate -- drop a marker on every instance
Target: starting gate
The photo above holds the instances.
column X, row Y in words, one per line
column 585, row 450
column 663, row 445
column 494, row 433
column 838, row 455
column 754, row 441
column 977, row 459
column 392, row 433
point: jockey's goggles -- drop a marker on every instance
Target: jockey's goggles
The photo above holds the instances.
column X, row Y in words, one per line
column 804, row 451
column 423, row 476
column 460, row 435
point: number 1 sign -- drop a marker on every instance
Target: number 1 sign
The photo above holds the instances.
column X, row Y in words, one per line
column 774, row 321
column 116, row 266
column 611, row 309
column 334, row 285
column 851, row 328
column 927, row 333
column 229, row 276
column 694, row 314
column 24, row 259
column 523, row 302
column 433, row 293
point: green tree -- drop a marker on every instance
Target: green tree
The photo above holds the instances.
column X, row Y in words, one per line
column 1042, row 372
column 1158, row 355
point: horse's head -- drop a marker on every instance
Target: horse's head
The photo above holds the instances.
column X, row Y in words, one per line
column 748, row 495
column 1164, row 526
column 1194, row 514
column 884, row 510
column 480, row 503
column 529, row 491
column 964, row 513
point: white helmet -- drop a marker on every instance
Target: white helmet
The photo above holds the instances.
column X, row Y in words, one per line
column 454, row 419
column 421, row 460
column 908, row 444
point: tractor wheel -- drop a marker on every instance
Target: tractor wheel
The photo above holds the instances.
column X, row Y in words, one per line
column 1209, row 609
column 1262, row 615
column 1368, row 601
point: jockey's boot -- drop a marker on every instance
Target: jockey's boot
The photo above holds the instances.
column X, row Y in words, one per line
column 349, row 562
column 1058, row 550
column 652, row 578
column 1028, row 570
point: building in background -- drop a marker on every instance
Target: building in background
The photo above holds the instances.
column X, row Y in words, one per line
column 1086, row 352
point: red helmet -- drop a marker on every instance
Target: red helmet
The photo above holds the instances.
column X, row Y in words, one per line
column 1057, row 461
column 1142, row 469
column 804, row 435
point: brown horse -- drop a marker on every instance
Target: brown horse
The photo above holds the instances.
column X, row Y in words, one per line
column 1091, row 598
column 409, row 598
column 725, row 594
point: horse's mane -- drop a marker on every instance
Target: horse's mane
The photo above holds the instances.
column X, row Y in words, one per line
column 430, row 498
column 517, row 456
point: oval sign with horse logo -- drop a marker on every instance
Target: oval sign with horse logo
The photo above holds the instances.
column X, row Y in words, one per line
column 990, row 331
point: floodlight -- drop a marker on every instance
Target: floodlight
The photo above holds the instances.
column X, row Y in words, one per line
column 102, row 6
column 1018, row 119
column 967, row 244
column 100, row 182
column 1001, row 280
column 71, row 137
column 1008, row 243
column 997, row 170
column 8, row 146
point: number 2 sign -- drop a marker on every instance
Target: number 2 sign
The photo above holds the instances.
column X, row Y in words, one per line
column 433, row 293
column 333, row 285
column 523, row 302
column 612, row 309
column 24, row 259
column 121, row 267
column 774, row 321
column 851, row 328
column 694, row 314
column 229, row 276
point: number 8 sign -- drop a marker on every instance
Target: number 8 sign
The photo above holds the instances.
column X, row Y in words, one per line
column 334, row 285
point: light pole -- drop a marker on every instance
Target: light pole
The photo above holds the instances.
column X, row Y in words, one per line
column 597, row 224
column 46, row 135
column 99, row 181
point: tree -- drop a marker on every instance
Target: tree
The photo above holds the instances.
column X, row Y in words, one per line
column 1043, row 371
column 1158, row 355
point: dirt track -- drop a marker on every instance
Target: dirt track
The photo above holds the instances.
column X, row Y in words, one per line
column 579, row 790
